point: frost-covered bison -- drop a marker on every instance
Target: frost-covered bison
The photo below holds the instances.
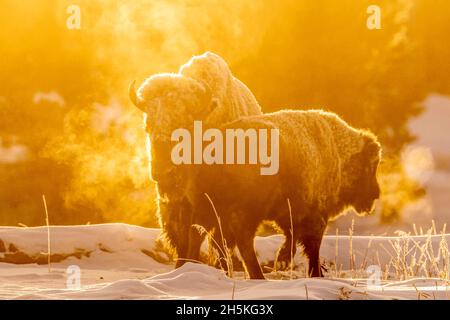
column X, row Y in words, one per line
column 203, row 89
column 325, row 166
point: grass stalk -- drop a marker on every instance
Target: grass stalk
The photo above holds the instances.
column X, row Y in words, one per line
column 292, row 239
column 229, row 260
column 47, row 222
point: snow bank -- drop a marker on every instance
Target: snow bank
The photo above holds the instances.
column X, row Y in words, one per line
column 99, row 246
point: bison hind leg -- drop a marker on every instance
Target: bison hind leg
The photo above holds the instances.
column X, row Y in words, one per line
column 311, row 235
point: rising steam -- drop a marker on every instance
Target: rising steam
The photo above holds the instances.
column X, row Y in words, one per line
column 105, row 147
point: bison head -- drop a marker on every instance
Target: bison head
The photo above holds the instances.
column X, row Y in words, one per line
column 203, row 89
column 170, row 101
column 362, row 188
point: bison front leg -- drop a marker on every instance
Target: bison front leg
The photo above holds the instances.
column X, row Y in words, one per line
column 312, row 248
column 192, row 250
column 193, row 241
column 177, row 220
column 311, row 235
column 248, row 254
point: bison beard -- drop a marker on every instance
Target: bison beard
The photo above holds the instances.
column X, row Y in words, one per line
column 325, row 167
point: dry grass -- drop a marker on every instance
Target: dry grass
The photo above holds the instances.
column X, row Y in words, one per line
column 47, row 222
column 291, row 230
column 412, row 258
column 217, row 252
column 350, row 249
column 408, row 256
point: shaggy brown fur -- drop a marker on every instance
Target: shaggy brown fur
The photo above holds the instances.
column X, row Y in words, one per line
column 325, row 167
column 204, row 89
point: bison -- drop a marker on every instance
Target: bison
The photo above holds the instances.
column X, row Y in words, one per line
column 325, row 167
column 203, row 89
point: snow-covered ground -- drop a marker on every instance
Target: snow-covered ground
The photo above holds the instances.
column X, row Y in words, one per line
column 118, row 261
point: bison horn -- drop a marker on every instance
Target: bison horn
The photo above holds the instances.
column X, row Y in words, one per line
column 133, row 96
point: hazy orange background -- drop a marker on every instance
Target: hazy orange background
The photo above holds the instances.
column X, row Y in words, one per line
column 67, row 129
